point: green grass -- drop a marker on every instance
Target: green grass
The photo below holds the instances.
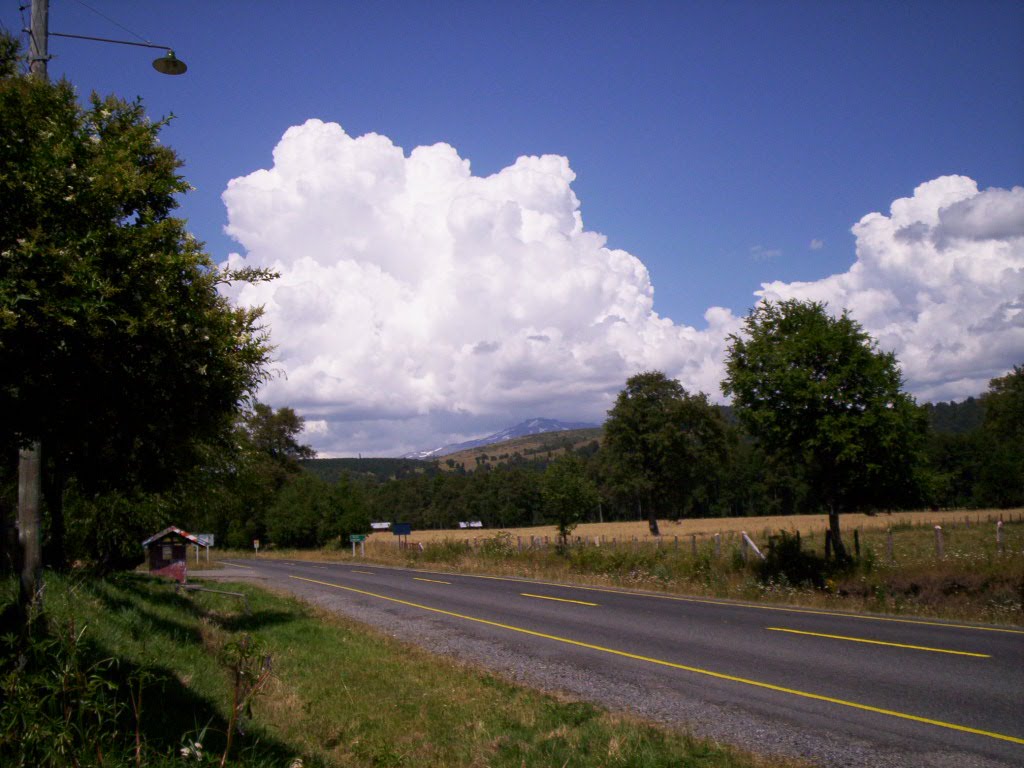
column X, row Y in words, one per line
column 340, row 695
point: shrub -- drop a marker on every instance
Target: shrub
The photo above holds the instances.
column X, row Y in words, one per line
column 787, row 558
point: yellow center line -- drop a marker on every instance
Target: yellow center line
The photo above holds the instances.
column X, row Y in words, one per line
column 368, row 573
column 432, row 581
column 685, row 668
column 880, row 642
column 559, row 599
column 233, row 565
column 706, row 601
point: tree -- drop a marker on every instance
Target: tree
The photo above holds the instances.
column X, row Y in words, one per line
column 815, row 391
column 663, row 443
column 120, row 355
column 1001, row 481
column 568, row 494
column 232, row 490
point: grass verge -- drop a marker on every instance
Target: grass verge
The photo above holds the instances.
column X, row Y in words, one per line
column 339, row 694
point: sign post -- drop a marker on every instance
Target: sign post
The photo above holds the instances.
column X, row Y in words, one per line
column 256, row 545
column 361, row 538
column 402, row 530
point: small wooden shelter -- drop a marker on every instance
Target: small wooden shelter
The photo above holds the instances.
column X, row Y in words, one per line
column 167, row 551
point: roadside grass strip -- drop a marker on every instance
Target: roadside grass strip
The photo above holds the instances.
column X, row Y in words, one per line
column 684, row 667
column 557, row 599
column 880, row 642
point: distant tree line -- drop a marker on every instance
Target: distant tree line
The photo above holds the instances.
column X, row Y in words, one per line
column 705, row 464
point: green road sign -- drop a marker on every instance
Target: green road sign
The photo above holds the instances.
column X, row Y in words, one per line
column 356, row 537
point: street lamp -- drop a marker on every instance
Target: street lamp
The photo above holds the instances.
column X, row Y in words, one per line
column 39, row 35
column 168, row 64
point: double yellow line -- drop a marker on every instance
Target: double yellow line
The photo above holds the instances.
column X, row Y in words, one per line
column 683, row 667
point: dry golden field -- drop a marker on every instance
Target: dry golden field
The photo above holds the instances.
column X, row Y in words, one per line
column 702, row 527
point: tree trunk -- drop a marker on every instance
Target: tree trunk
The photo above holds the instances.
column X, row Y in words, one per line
column 30, row 521
column 652, row 517
column 837, row 540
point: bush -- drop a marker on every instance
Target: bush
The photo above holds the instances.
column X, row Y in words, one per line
column 786, row 558
column 497, row 546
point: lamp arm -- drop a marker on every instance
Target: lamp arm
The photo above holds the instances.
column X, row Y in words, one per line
column 109, row 40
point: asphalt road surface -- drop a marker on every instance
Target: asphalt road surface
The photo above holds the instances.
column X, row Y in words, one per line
column 923, row 692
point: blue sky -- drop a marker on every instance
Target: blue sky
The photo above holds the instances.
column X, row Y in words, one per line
column 713, row 141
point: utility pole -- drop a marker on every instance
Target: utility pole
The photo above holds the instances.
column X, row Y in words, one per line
column 39, row 36
column 30, row 513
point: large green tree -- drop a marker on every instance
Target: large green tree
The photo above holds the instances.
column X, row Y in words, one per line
column 120, row 355
column 815, row 391
column 663, row 444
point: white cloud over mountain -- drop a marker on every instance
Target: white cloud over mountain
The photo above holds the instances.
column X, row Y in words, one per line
column 421, row 304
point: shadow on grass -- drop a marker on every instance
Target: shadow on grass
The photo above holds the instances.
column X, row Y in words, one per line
column 129, row 592
column 69, row 682
column 148, row 620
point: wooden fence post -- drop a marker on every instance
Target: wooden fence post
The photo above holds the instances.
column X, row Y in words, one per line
column 938, row 542
column 718, row 545
column 999, row 537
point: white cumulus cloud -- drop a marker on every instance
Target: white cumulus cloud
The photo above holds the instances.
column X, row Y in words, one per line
column 419, row 303
column 940, row 282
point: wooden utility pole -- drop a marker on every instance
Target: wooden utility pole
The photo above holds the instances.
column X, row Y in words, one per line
column 30, row 513
column 39, row 36
column 30, row 521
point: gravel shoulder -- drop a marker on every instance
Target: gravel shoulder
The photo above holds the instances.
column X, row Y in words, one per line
column 731, row 725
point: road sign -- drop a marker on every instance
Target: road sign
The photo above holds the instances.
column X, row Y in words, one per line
column 401, row 529
column 357, row 537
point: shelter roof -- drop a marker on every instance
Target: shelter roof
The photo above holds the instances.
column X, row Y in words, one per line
column 175, row 529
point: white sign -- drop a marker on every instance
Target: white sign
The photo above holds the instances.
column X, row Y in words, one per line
column 380, row 526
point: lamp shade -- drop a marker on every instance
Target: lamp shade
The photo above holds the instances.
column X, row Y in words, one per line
column 170, row 65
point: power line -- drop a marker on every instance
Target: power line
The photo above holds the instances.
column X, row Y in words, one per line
column 115, row 23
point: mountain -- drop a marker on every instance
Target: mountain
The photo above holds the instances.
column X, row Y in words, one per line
column 523, row 429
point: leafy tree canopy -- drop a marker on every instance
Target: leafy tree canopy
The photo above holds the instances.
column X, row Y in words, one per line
column 568, row 493
column 120, row 355
column 663, row 443
column 814, row 390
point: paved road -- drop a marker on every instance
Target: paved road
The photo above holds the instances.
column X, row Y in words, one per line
column 949, row 693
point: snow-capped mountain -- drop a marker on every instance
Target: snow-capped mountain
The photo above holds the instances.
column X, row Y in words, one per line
column 523, row 429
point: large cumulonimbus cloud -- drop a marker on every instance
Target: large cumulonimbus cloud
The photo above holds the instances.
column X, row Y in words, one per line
column 420, row 304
